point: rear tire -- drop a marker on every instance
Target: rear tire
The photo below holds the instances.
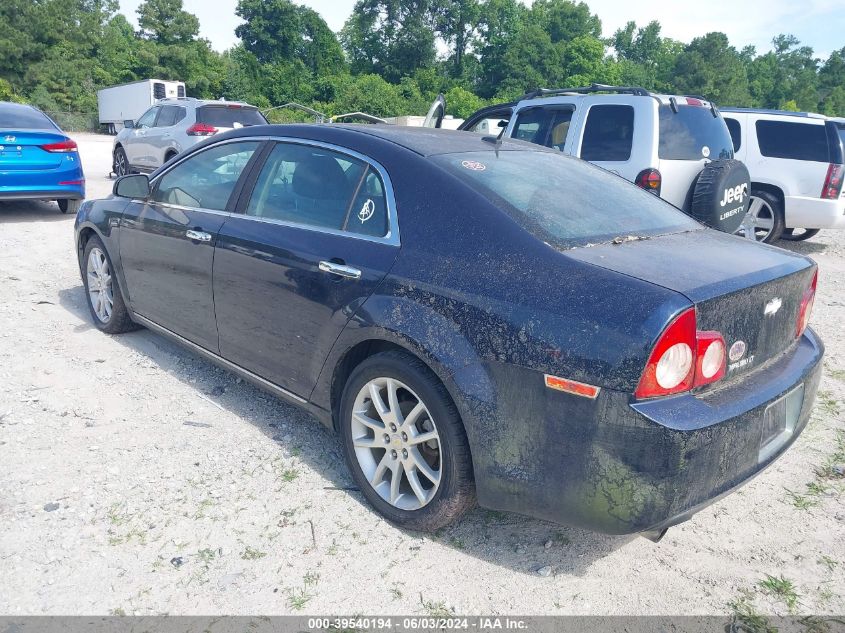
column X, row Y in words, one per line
column 798, row 235
column 418, row 484
column 120, row 165
column 69, row 206
column 102, row 291
column 764, row 221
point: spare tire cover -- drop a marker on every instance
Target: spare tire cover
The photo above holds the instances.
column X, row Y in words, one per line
column 721, row 196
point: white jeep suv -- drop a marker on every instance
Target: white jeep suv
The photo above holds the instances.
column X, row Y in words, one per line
column 677, row 147
column 796, row 165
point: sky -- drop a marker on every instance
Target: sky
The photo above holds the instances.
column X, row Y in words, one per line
column 817, row 23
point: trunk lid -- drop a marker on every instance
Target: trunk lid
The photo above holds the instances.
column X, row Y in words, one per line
column 20, row 150
column 748, row 292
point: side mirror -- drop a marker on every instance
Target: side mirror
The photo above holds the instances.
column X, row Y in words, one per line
column 129, row 124
column 134, row 186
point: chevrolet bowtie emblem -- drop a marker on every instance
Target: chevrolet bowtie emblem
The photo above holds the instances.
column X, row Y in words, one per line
column 773, row 306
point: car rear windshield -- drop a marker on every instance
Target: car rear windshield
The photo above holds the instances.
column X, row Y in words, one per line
column 693, row 133
column 230, row 116
column 18, row 117
column 564, row 201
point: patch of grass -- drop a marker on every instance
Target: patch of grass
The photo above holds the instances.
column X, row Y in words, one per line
column 802, row 502
column 250, row 553
column 298, row 598
column 204, row 505
column 289, row 474
column 436, row 609
column 118, row 612
column 837, row 458
column 781, row 588
column 310, row 579
column 836, row 374
column 828, row 562
column 560, row 538
column 457, row 543
column 746, row 619
column 827, row 403
column 332, row 549
column 207, row 555
column 117, row 514
column 396, row 592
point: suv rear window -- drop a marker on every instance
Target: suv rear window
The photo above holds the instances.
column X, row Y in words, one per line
column 228, row 116
column 20, row 117
column 608, row 133
column 796, row 141
column 564, row 201
column 693, row 133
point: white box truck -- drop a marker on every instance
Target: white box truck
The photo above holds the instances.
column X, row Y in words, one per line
column 127, row 102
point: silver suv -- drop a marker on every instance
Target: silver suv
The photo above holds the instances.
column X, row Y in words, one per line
column 173, row 125
column 677, row 147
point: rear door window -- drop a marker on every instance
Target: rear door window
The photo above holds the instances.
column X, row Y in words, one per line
column 736, row 132
column 317, row 187
column 547, row 126
column 608, row 134
column 207, row 179
column 693, row 133
column 170, row 116
column 796, row 141
column 230, row 116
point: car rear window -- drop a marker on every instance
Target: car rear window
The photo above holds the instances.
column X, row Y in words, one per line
column 230, row 116
column 564, row 201
column 796, row 141
column 18, row 117
column 608, row 134
column 693, row 133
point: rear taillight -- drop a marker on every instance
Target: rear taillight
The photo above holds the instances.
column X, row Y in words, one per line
column 683, row 358
column 650, row 180
column 201, row 129
column 833, row 183
column 806, row 306
column 62, row 147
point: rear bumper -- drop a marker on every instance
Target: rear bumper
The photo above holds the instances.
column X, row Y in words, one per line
column 62, row 193
column 619, row 467
column 814, row 213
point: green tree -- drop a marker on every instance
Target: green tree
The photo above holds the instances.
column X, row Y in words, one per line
column 456, row 22
column 710, row 66
column 166, row 22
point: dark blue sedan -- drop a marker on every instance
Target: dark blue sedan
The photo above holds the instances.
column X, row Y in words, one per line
column 37, row 160
column 477, row 319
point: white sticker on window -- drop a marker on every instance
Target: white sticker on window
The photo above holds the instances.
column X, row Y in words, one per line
column 367, row 211
column 473, row 165
column 705, row 151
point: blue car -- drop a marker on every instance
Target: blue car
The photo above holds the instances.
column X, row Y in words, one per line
column 37, row 160
column 477, row 318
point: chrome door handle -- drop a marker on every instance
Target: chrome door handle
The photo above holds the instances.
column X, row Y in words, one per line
column 340, row 270
column 198, row 236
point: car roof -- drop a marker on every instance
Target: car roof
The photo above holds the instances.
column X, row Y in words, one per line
column 420, row 140
column 202, row 102
column 562, row 97
column 801, row 115
column 11, row 106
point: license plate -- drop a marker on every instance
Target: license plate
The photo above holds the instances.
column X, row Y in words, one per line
column 779, row 421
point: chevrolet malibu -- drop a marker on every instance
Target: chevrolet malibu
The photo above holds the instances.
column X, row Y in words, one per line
column 478, row 319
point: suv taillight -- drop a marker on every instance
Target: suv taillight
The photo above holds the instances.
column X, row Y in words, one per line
column 806, row 306
column 833, row 183
column 650, row 180
column 201, row 129
column 683, row 358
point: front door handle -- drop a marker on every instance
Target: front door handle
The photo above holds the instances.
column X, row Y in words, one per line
column 198, row 236
column 340, row 270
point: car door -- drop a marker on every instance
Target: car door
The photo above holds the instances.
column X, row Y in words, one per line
column 315, row 234
column 607, row 138
column 137, row 148
column 167, row 241
column 159, row 138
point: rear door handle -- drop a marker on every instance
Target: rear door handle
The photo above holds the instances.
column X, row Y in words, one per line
column 340, row 270
column 198, row 236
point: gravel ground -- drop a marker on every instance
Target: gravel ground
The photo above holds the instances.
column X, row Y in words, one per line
column 137, row 478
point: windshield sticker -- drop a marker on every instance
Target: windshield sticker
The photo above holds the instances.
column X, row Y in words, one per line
column 705, row 151
column 473, row 165
column 367, row 211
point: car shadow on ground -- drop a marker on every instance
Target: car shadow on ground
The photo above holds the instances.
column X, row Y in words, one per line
column 808, row 247
column 16, row 211
column 518, row 543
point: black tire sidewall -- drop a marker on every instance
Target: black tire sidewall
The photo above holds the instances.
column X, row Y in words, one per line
column 119, row 316
column 121, row 151
column 777, row 214
column 455, row 459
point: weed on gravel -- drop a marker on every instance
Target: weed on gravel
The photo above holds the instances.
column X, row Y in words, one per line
column 781, row 588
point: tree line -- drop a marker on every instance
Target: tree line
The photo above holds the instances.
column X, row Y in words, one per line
column 391, row 57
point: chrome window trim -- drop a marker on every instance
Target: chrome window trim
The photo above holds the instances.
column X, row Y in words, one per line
column 392, row 237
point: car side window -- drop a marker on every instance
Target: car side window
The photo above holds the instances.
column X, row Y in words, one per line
column 608, row 134
column 170, row 116
column 148, row 118
column 207, row 179
column 544, row 126
column 797, row 141
column 736, row 132
column 317, row 187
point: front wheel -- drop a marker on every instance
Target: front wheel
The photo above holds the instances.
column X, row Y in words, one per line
column 120, row 163
column 405, row 444
column 764, row 221
column 102, row 291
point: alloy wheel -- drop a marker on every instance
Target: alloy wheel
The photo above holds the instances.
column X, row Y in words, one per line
column 120, row 164
column 100, row 288
column 759, row 221
column 396, row 443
